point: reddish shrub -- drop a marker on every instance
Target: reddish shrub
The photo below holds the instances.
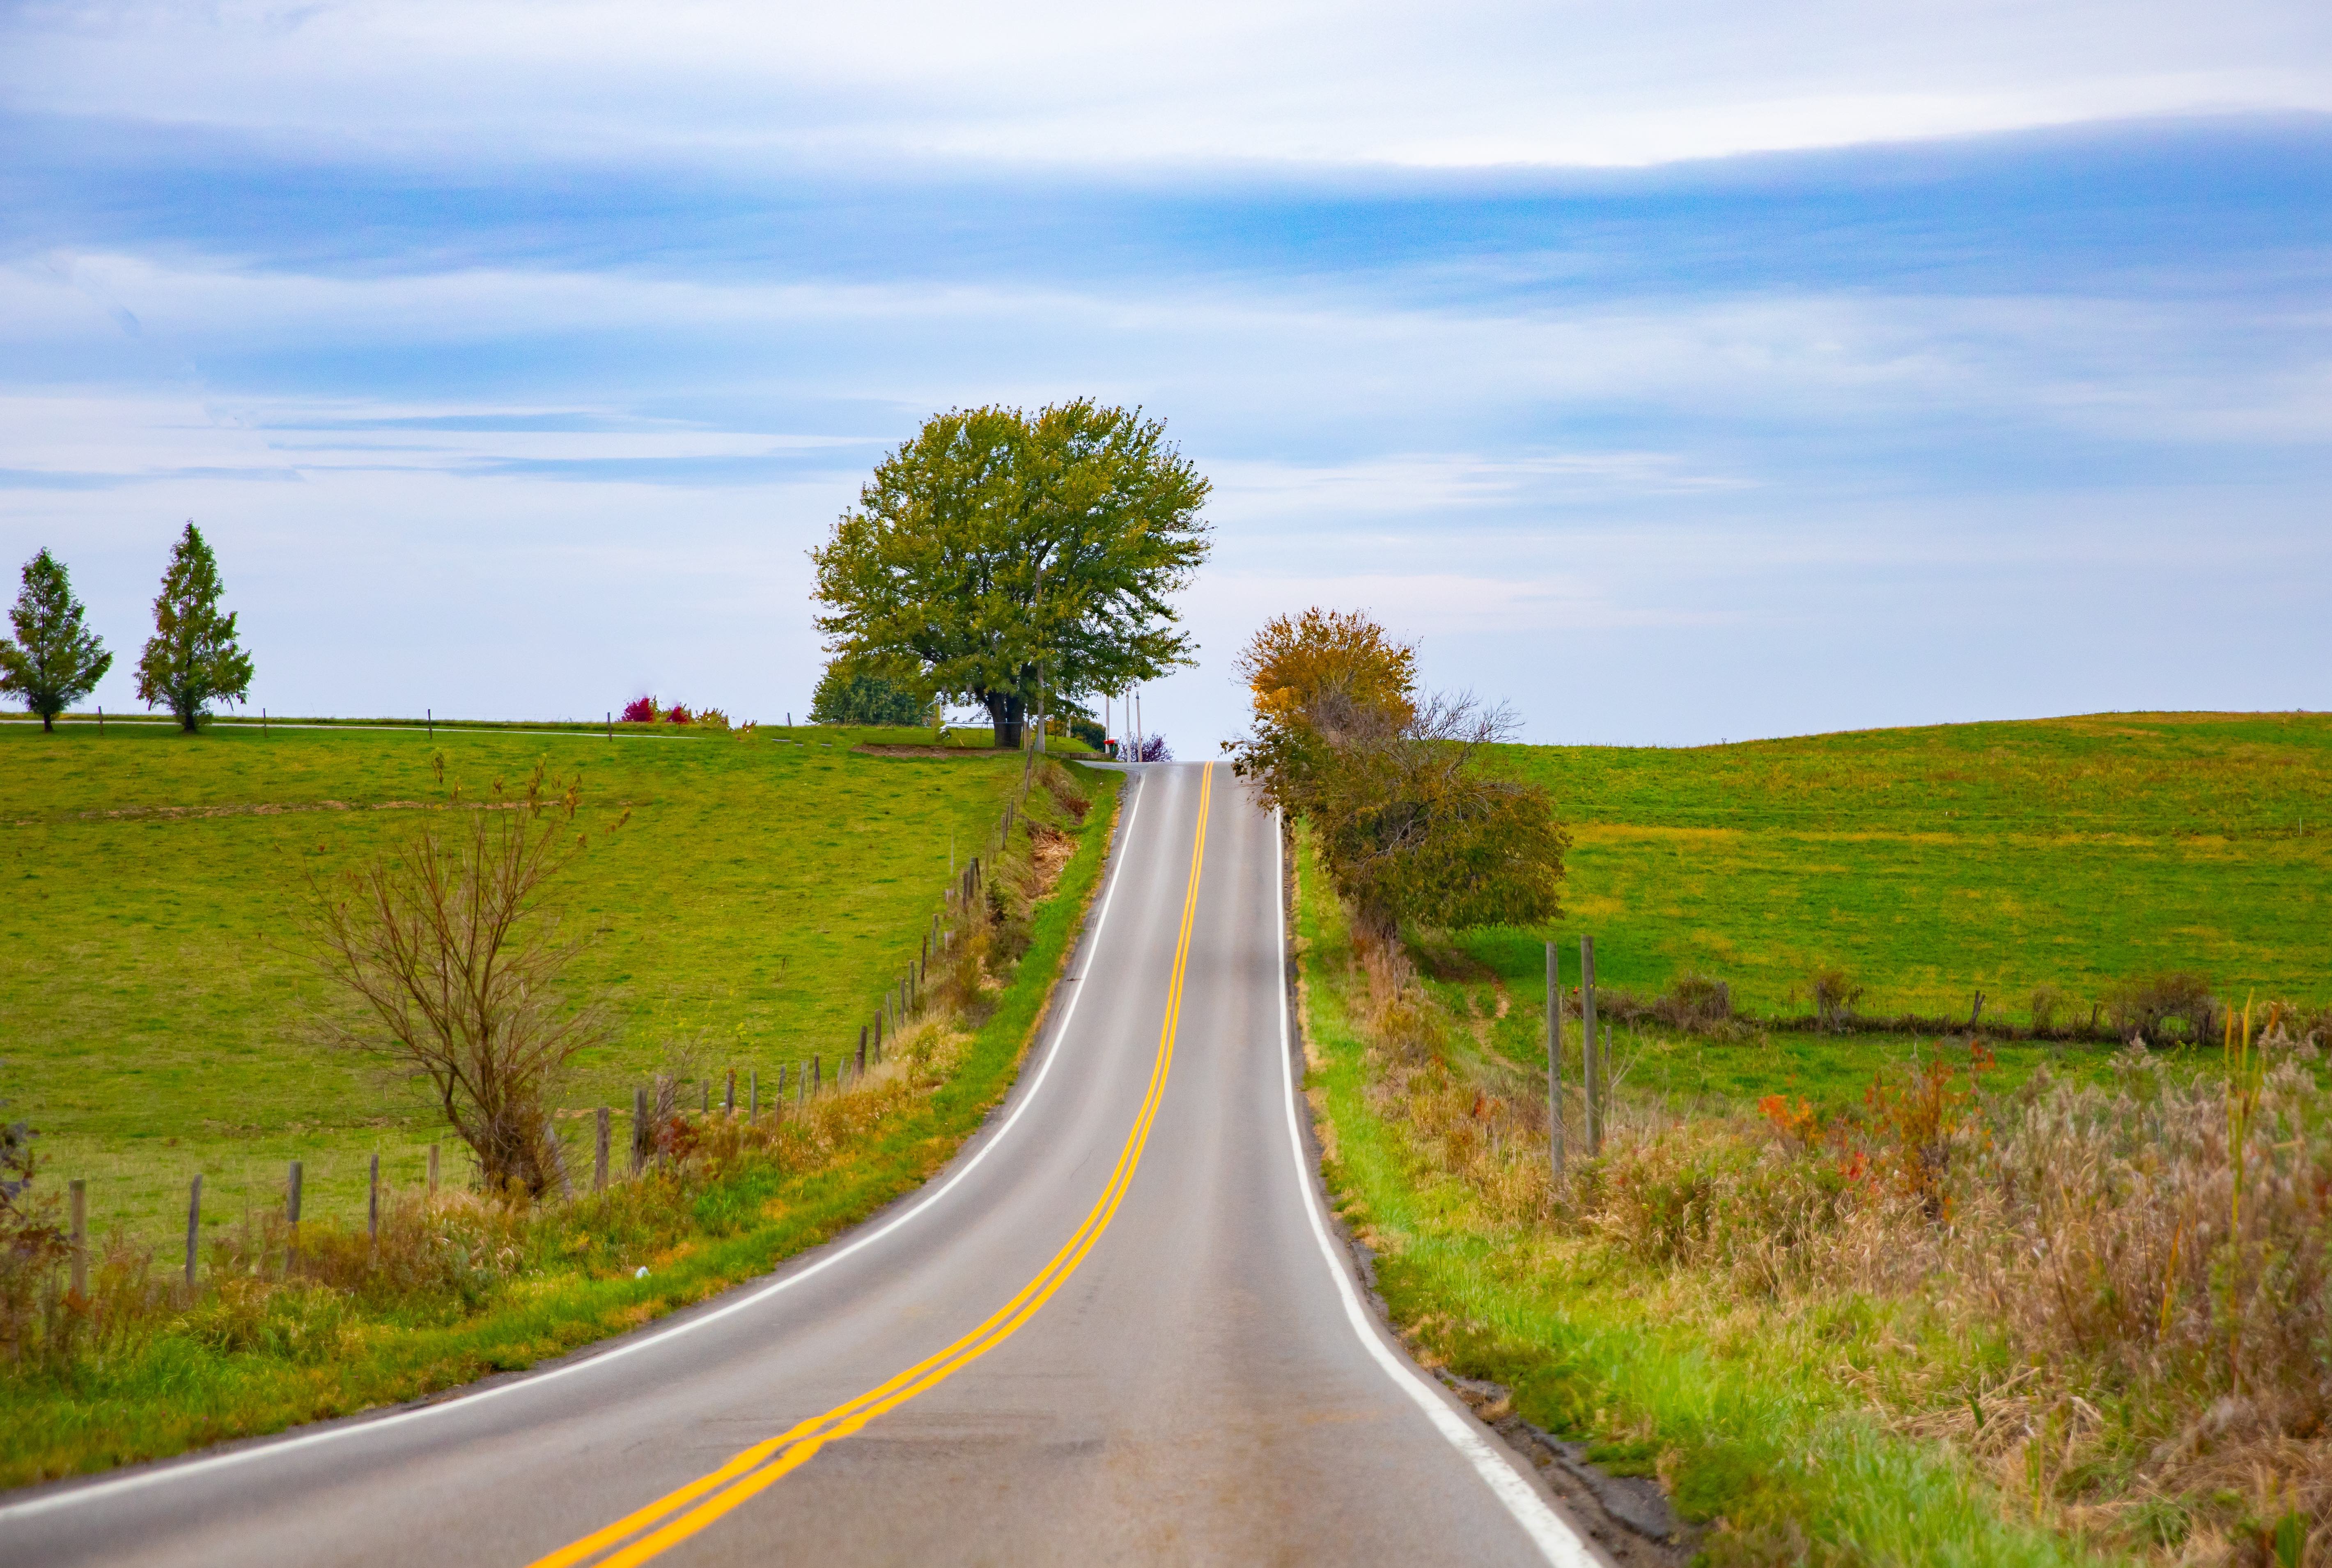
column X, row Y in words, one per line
column 679, row 714
column 640, row 711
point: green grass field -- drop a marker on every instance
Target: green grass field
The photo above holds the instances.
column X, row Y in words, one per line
column 1933, row 861
column 153, row 984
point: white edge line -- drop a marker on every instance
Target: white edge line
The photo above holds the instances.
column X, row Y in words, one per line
column 167, row 1471
column 1554, row 1538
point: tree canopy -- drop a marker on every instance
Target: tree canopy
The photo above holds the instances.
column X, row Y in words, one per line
column 53, row 660
column 997, row 554
column 192, row 659
column 1408, row 827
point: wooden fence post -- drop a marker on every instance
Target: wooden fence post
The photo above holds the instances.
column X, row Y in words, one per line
column 640, row 1135
column 372, row 1203
column 291, row 1216
column 1554, row 1059
column 729, row 1104
column 878, row 1043
column 433, row 1169
column 79, row 1191
column 753, row 1094
column 194, row 1227
column 817, row 1073
column 1590, row 1078
column 599, row 1148
column 558, row 1155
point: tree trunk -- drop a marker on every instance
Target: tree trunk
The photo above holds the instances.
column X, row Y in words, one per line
column 48, row 723
column 190, row 718
column 1005, row 712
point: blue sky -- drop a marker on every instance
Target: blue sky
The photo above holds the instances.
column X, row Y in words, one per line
column 1671, row 373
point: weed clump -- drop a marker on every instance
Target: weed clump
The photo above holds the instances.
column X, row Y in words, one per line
column 1835, row 993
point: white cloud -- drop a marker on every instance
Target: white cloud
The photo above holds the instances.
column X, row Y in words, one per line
column 1050, row 81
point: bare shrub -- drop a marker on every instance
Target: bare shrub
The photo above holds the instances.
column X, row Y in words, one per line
column 1698, row 998
column 450, row 946
column 2048, row 1002
column 2141, row 1007
column 1694, row 1004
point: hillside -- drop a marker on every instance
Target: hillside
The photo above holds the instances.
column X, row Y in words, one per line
column 1933, row 861
column 749, row 912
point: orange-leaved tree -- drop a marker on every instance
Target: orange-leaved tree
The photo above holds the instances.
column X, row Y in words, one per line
column 1409, row 826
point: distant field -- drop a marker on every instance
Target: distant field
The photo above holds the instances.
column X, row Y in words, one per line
column 1933, row 861
column 152, row 986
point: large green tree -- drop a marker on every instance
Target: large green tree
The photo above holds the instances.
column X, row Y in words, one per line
column 192, row 659
column 53, row 660
column 1001, row 553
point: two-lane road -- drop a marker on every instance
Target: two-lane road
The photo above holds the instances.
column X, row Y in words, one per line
column 1117, row 1328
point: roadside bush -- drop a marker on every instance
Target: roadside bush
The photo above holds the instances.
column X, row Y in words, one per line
column 642, row 711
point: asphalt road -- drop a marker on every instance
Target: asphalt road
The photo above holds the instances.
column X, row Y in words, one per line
column 1115, row 1329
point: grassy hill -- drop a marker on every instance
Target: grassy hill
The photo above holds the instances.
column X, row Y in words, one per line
column 762, row 894
column 1933, row 861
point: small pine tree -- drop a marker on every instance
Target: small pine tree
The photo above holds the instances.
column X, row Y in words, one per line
column 192, row 659
column 55, row 660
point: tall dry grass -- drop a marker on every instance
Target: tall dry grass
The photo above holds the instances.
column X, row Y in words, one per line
column 2150, row 1259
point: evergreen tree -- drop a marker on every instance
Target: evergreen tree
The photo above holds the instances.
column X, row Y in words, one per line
column 55, row 660
column 192, row 659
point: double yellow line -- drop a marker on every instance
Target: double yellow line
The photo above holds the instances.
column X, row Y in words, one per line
column 679, row 1514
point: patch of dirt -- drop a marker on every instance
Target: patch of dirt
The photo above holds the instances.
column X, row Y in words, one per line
column 1049, row 851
